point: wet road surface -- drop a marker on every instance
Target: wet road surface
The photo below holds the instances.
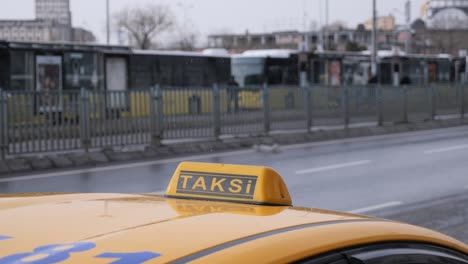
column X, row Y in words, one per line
column 448, row 215
column 357, row 175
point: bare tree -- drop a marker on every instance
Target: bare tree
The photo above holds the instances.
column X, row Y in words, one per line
column 336, row 26
column 143, row 23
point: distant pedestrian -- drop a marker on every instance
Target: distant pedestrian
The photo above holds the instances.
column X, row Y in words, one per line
column 233, row 95
column 405, row 80
column 374, row 80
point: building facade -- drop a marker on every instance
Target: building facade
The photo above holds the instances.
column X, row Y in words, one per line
column 26, row 30
column 446, row 14
column 435, row 7
column 52, row 24
column 54, row 10
column 386, row 23
column 340, row 40
column 428, row 40
column 82, row 35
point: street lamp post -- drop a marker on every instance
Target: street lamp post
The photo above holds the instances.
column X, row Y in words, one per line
column 374, row 38
column 327, row 38
column 185, row 8
column 408, row 26
column 107, row 22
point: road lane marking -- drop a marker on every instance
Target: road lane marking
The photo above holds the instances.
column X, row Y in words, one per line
column 333, row 167
column 125, row 166
column 375, row 207
column 448, row 149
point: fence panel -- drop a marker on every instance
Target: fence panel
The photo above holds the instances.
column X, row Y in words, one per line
column 447, row 99
column 419, row 103
column 241, row 110
column 188, row 112
column 327, row 106
column 42, row 121
column 392, row 104
column 119, row 118
column 362, row 104
column 465, row 98
column 287, row 107
column 3, row 125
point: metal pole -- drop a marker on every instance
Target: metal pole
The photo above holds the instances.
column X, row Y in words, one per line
column 84, row 120
column 216, row 112
column 152, row 116
column 266, row 109
column 408, row 26
column 463, row 84
column 432, row 99
column 374, row 38
column 405, row 103
column 346, row 106
column 159, row 112
column 462, row 100
column 308, row 106
column 327, row 38
column 321, row 28
column 379, row 100
column 156, row 116
column 108, row 21
column 3, row 125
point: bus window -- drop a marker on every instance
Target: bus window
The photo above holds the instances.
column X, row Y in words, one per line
column 248, row 71
column 386, row 74
column 276, row 75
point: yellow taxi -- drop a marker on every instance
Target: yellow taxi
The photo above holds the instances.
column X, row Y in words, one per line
column 211, row 213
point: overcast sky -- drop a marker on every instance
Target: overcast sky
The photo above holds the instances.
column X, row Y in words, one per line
column 221, row 16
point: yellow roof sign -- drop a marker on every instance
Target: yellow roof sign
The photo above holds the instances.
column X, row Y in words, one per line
column 233, row 183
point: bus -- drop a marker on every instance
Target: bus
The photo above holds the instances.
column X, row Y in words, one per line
column 55, row 68
column 275, row 68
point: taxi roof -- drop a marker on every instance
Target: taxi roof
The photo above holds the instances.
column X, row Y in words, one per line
column 181, row 230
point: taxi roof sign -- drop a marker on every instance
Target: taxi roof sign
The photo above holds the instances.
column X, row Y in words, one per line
column 231, row 183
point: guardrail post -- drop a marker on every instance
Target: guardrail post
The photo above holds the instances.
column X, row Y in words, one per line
column 156, row 115
column 266, row 109
column 84, row 120
column 404, row 91
column 379, row 102
column 432, row 102
column 160, row 112
column 308, row 106
column 462, row 100
column 3, row 125
column 216, row 112
column 346, row 106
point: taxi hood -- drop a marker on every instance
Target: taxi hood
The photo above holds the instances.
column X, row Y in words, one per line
column 118, row 224
column 208, row 209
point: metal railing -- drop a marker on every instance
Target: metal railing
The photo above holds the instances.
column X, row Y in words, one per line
column 71, row 120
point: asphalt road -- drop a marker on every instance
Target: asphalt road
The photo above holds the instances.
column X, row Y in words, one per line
column 381, row 175
column 448, row 214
